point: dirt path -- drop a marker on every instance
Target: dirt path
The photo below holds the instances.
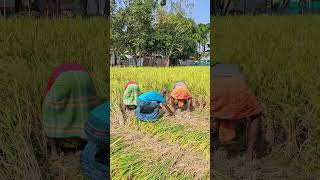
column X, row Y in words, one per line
column 184, row 160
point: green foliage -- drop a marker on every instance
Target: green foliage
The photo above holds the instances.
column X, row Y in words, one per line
column 132, row 27
column 144, row 28
column 175, row 36
column 204, row 31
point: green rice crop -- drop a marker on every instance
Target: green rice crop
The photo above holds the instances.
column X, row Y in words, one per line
column 151, row 78
column 198, row 141
column 29, row 51
column 127, row 161
column 279, row 56
column 145, row 161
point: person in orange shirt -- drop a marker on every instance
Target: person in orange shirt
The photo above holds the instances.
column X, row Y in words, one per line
column 181, row 97
column 232, row 102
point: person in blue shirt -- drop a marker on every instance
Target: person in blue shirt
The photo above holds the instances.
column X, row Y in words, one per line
column 94, row 158
column 148, row 106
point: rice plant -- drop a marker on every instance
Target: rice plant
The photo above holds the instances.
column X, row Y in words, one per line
column 29, row 51
column 170, row 148
column 280, row 59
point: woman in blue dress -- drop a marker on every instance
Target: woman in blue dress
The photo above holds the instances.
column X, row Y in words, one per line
column 95, row 156
column 149, row 106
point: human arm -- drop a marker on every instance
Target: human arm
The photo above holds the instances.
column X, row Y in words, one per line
column 171, row 113
column 189, row 102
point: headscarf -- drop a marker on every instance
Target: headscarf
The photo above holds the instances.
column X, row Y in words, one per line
column 59, row 70
column 131, row 93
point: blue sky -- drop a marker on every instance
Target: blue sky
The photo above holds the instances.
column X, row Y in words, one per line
column 201, row 11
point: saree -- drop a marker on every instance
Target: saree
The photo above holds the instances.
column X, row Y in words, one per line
column 98, row 125
column 90, row 167
column 231, row 100
column 131, row 94
column 94, row 157
column 181, row 93
column 70, row 95
column 147, row 110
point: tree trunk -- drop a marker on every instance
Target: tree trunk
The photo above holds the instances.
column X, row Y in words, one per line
column 225, row 7
column 245, row 6
column 135, row 60
column 214, row 7
column 83, row 7
column 18, row 5
column 98, row 7
column 285, row 4
column 58, row 7
column 107, row 8
column 29, row 8
column 4, row 8
column 220, row 6
column 168, row 62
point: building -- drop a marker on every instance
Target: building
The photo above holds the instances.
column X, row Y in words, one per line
column 129, row 60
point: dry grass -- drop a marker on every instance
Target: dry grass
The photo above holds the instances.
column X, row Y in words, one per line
column 29, row 50
column 280, row 58
column 171, row 148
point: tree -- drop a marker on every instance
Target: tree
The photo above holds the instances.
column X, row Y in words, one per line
column 18, row 5
column 132, row 27
column 143, row 28
column 175, row 37
column 204, row 30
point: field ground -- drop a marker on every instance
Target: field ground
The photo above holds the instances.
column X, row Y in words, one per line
column 29, row 50
column 279, row 55
column 172, row 147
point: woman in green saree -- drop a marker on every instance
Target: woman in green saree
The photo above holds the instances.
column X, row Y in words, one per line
column 69, row 97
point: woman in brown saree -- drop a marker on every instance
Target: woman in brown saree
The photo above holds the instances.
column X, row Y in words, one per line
column 232, row 101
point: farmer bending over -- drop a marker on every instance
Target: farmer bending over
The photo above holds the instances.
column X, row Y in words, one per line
column 233, row 102
column 180, row 97
column 94, row 157
column 130, row 95
column 148, row 106
column 69, row 97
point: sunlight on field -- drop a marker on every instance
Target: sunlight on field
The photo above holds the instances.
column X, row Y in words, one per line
column 151, row 78
column 171, row 147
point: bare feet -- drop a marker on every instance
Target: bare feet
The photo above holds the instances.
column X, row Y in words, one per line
column 252, row 137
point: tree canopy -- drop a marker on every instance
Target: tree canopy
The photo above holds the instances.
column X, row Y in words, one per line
column 145, row 28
